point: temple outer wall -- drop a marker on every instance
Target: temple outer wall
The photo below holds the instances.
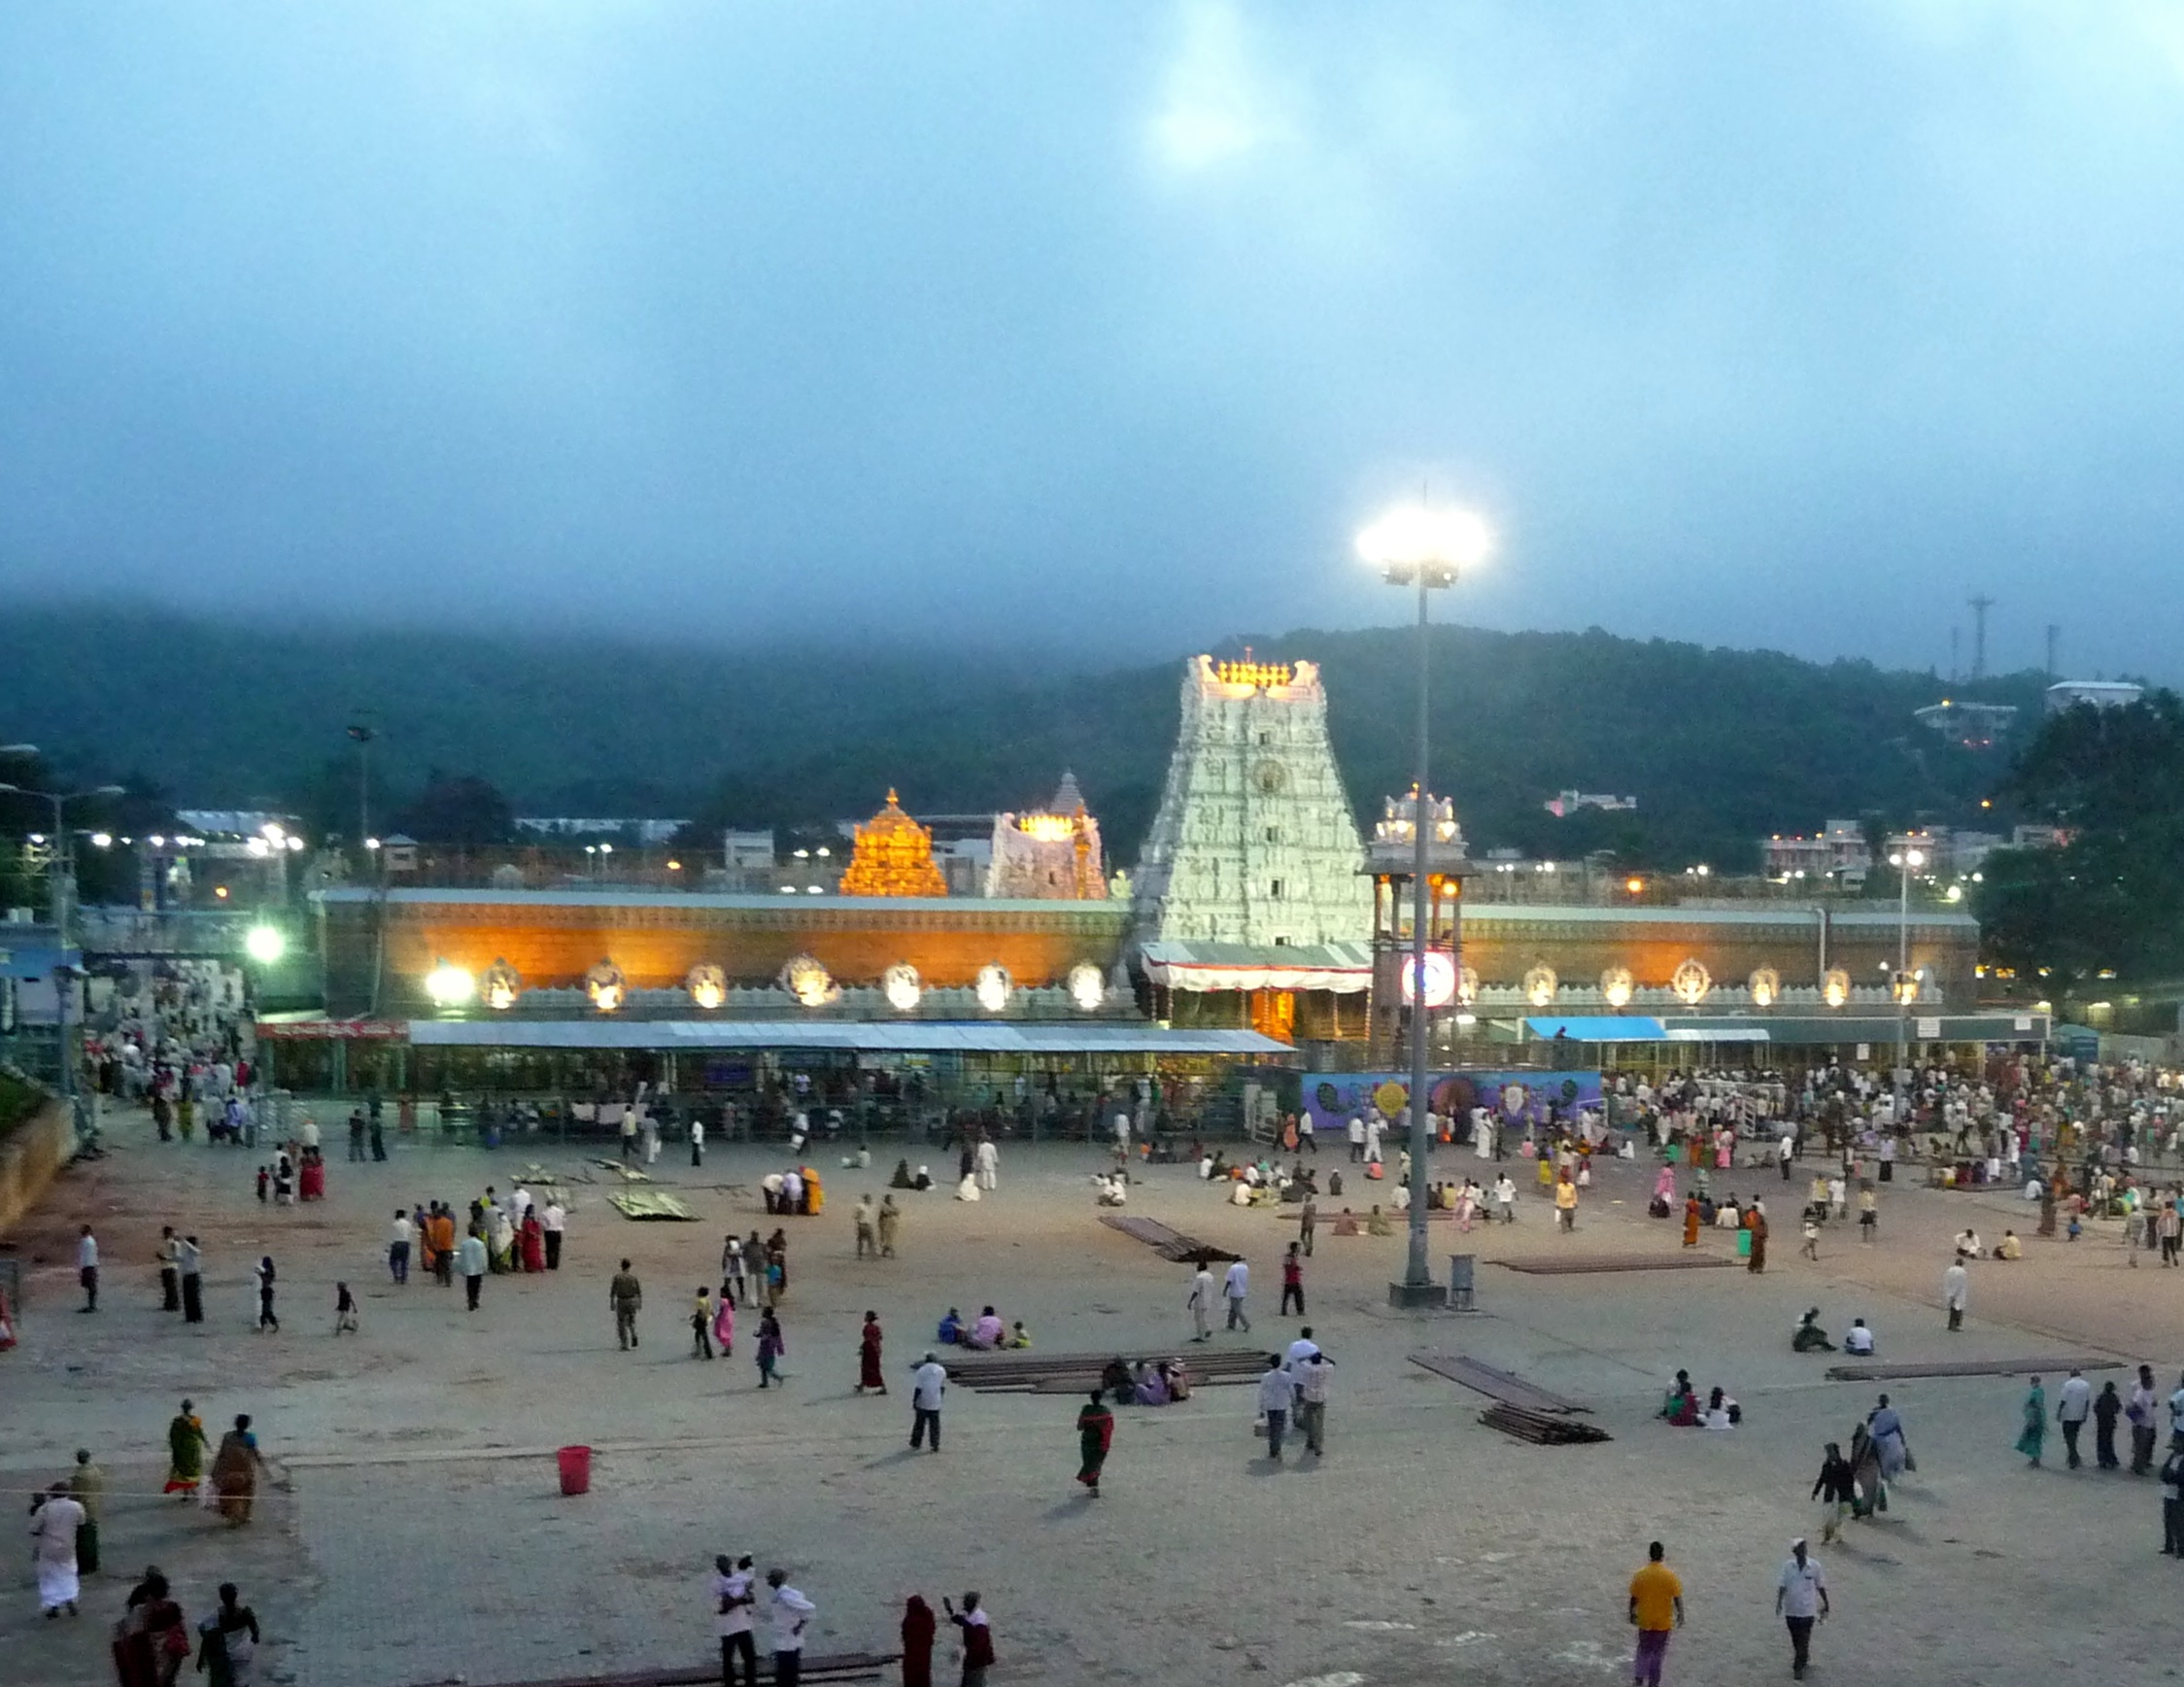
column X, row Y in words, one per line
column 31, row 1157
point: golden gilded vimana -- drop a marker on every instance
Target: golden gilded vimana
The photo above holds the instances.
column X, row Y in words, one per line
column 893, row 857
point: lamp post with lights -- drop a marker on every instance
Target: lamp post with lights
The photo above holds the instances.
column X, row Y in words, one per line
column 1906, row 861
column 1426, row 548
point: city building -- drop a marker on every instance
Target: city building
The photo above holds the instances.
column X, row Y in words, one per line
column 1976, row 726
column 1564, row 804
column 1837, row 852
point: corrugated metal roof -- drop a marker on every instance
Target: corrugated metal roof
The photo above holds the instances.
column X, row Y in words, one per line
column 1600, row 1028
column 910, row 1037
column 352, row 895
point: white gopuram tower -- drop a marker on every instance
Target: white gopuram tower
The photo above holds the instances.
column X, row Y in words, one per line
column 1251, row 877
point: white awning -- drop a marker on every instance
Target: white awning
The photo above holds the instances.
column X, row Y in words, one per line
column 1345, row 968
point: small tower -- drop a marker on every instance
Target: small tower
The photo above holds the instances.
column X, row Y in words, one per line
column 893, row 857
column 1392, row 859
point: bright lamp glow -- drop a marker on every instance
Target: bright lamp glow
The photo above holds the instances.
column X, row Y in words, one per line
column 1439, row 979
column 265, row 944
column 1616, row 984
column 1439, row 541
column 900, row 986
column 1087, row 989
column 992, row 986
column 450, row 986
column 707, row 984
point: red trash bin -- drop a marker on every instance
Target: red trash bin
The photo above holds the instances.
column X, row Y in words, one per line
column 577, row 1469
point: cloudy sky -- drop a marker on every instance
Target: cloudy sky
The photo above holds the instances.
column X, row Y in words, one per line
column 1102, row 323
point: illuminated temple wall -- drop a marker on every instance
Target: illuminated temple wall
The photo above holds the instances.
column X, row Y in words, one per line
column 552, row 937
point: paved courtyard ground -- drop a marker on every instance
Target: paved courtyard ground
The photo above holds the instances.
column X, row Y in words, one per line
column 418, row 1534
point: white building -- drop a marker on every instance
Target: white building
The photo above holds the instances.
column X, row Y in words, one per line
column 2100, row 693
column 1837, row 852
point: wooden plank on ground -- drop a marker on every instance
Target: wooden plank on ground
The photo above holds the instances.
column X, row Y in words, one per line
column 1506, row 1387
column 1170, row 1243
column 1545, row 1428
column 1578, row 1264
column 817, row 1667
column 1900, row 1369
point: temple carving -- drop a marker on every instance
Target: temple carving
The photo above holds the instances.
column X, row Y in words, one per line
column 893, row 856
column 1053, row 854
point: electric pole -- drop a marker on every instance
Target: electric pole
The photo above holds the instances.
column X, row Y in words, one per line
column 1979, row 608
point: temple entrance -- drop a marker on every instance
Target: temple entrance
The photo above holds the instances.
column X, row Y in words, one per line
column 1273, row 1014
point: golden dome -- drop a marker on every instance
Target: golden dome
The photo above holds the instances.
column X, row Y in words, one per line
column 893, row 857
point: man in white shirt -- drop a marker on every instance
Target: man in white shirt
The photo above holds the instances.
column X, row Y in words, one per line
column 1356, row 1131
column 1235, row 1286
column 1800, row 1601
column 1305, row 1348
column 790, row 1615
column 1311, row 1379
column 470, row 1264
column 1276, row 1396
column 1374, row 1124
column 2073, row 1408
column 1200, row 1302
column 929, row 1383
column 87, row 1269
column 1956, row 1286
column 1504, row 1197
column 53, row 1537
column 554, row 1221
column 732, row 1603
column 1857, row 1338
column 399, row 1234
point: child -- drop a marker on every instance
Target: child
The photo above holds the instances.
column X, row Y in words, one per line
column 701, row 1324
column 2075, row 1227
column 1811, row 1249
column 1018, row 1335
column 344, row 1310
column 264, row 1178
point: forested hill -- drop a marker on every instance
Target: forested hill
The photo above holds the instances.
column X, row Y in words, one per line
column 1719, row 746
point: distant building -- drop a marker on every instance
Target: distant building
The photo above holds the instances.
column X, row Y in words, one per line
column 748, row 851
column 2100, row 693
column 1564, row 804
column 1977, row 726
column 642, row 832
column 1838, row 852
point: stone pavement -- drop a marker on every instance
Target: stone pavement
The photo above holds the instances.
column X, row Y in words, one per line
column 421, row 1536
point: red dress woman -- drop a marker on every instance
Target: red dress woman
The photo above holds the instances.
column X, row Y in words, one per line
column 868, row 1363
column 917, row 1644
column 534, row 1235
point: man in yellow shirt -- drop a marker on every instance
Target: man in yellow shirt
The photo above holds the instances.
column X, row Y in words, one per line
column 1656, row 1606
column 1566, row 1203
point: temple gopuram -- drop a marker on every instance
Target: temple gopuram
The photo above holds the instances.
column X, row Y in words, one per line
column 1051, row 854
column 893, row 856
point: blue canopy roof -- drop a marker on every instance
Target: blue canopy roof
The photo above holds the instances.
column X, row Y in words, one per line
column 1600, row 1028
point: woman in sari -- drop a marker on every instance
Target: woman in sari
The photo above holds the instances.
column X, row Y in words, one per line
column 1095, row 1434
column 2033, row 1435
column 154, row 1638
column 1887, row 1429
column 533, row 1242
column 1690, row 1219
column 502, row 1240
column 918, row 1625
column 235, row 1468
column 868, row 1357
column 186, row 1452
column 724, row 1323
column 1756, row 1222
column 227, row 1642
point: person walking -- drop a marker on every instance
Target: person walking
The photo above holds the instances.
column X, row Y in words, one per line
column 554, row 1221
column 87, row 1269
column 868, row 1373
column 1868, row 1214
column 357, row 1136
column 790, row 1614
column 2140, row 1413
column 977, row 1638
column 471, row 1260
column 227, row 1641
column 400, row 1236
column 1095, row 1436
column 2107, row 1407
column 2072, row 1407
column 2172, row 1503
column 1277, row 1398
column 2033, row 1435
column 56, row 1520
column 916, row 1632
column 890, row 1224
column 86, row 1486
column 1311, row 1371
column 1955, row 1286
column 1800, row 1601
column 1565, row 1204
column 189, row 1265
column 867, row 1222
column 1307, row 1224
column 772, row 1347
column 1235, row 1286
column 734, row 1600
column 1836, row 1490
column 701, row 1324
column 186, row 1452
column 344, row 1310
column 170, row 1272
column 267, row 1319
column 697, row 1140
column 1200, row 1302
column 626, row 1295
column 1292, row 1280
column 930, row 1382
column 989, row 1179
column 1657, row 1609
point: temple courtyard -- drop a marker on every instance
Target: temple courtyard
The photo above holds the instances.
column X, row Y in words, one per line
column 415, row 1532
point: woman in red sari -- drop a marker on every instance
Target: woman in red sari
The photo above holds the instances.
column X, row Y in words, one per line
column 1095, row 1434
column 918, row 1625
column 867, row 1357
column 533, row 1237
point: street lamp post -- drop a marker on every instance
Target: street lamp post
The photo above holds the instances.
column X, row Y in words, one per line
column 1424, row 548
column 1906, row 861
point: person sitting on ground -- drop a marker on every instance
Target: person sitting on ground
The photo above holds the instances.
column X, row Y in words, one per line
column 1681, row 1404
column 950, row 1332
column 1240, row 1195
column 1205, row 1166
column 1117, row 1382
column 1178, row 1380
column 923, row 1180
column 1857, row 1338
column 1808, row 1336
column 1346, row 1223
column 1018, row 1335
column 1967, row 1244
column 2009, row 1247
column 1721, row 1412
column 986, row 1334
column 1377, row 1224
column 1151, row 1387
column 1729, row 1216
column 901, row 1178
